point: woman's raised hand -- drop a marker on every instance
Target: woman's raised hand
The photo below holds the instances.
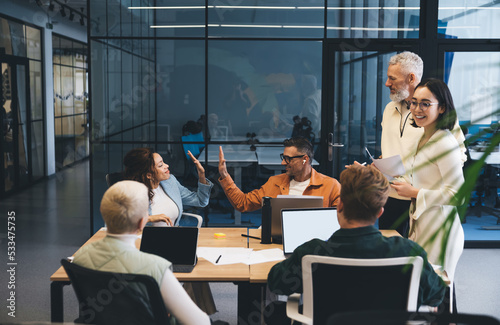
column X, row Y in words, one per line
column 199, row 168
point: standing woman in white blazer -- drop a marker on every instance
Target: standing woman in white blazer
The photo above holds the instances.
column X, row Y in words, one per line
column 436, row 176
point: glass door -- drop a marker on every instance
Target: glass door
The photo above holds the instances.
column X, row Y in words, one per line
column 15, row 102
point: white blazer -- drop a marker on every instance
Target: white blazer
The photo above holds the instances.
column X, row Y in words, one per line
column 436, row 169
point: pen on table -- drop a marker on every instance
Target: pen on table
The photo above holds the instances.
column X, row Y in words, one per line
column 218, row 258
column 243, row 235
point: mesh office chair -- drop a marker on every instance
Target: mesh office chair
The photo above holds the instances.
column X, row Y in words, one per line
column 333, row 285
column 116, row 298
column 112, row 178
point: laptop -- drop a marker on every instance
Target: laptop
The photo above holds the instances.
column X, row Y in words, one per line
column 289, row 202
column 302, row 225
column 175, row 244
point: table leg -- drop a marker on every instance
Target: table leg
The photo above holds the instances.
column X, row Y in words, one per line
column 56, row 301
column 250, row 303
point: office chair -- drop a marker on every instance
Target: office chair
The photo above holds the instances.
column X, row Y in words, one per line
column 398, row 317
column 112, row 178
column 333, row 285
column 116, row 298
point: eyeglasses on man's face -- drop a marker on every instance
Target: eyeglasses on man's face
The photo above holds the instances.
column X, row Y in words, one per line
column 423, row 105
column 287, row 159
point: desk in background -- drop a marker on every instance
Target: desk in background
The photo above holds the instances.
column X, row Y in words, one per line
column 492, row 159
column 237, row 156
column 491, row 180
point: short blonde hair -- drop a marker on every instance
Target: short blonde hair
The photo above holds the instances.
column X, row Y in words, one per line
column 123, row 205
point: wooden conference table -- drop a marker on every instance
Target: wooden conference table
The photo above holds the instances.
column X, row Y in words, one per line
column 251, row 279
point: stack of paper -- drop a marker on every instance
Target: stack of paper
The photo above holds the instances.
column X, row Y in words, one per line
column 391, row 167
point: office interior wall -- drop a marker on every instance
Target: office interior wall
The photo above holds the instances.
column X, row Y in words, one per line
column 28, row 12
column 70, row 70
column 238, row 69
column 243, row 71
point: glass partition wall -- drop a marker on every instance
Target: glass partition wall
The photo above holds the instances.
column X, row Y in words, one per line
column 22, row 147
column 194, row 76
column 181, row 77
column 70, row 101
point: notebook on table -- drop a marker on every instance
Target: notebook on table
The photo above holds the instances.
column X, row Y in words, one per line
column 289, row 202
column 302, row 225
column 175, row 244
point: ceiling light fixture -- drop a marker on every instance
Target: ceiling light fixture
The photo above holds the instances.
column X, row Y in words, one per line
column 63, row 13
column 71, row 15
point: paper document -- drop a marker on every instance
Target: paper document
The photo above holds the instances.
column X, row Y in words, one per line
column 391, row 167
column 266, row 255
column 234, row 255
column 228, row 255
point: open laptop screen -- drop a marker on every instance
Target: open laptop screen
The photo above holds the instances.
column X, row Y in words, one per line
column 289, row 202
column 302, row 225
column 176, row 244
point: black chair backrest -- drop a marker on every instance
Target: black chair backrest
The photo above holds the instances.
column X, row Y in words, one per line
column 342, row 288
column 112, row 178
column 116, row 298
column 397, row 317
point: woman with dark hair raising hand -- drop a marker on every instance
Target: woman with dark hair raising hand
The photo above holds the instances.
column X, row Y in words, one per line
column 166, row 195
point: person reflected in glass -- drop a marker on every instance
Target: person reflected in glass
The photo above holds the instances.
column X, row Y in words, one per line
column 435, row 176
column 167, row 196
column 238, row 108
column 311, row 107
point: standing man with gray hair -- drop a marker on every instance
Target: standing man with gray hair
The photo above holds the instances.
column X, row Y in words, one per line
column 398, row 136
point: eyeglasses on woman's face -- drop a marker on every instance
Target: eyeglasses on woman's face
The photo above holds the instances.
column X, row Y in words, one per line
column 287, row 159
column 423, row 105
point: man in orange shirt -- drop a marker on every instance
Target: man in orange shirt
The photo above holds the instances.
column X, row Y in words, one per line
column 300, row 179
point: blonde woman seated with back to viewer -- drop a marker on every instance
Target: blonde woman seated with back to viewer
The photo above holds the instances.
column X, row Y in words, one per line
column 435, row 175
column 124, row 208
column 166, row 200
column 166, row 195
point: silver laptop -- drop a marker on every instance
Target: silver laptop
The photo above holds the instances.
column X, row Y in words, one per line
column 175, row 244
column 302, row 225
column 289, row 202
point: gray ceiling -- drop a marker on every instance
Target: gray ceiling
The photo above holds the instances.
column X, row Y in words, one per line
column 53, row 8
